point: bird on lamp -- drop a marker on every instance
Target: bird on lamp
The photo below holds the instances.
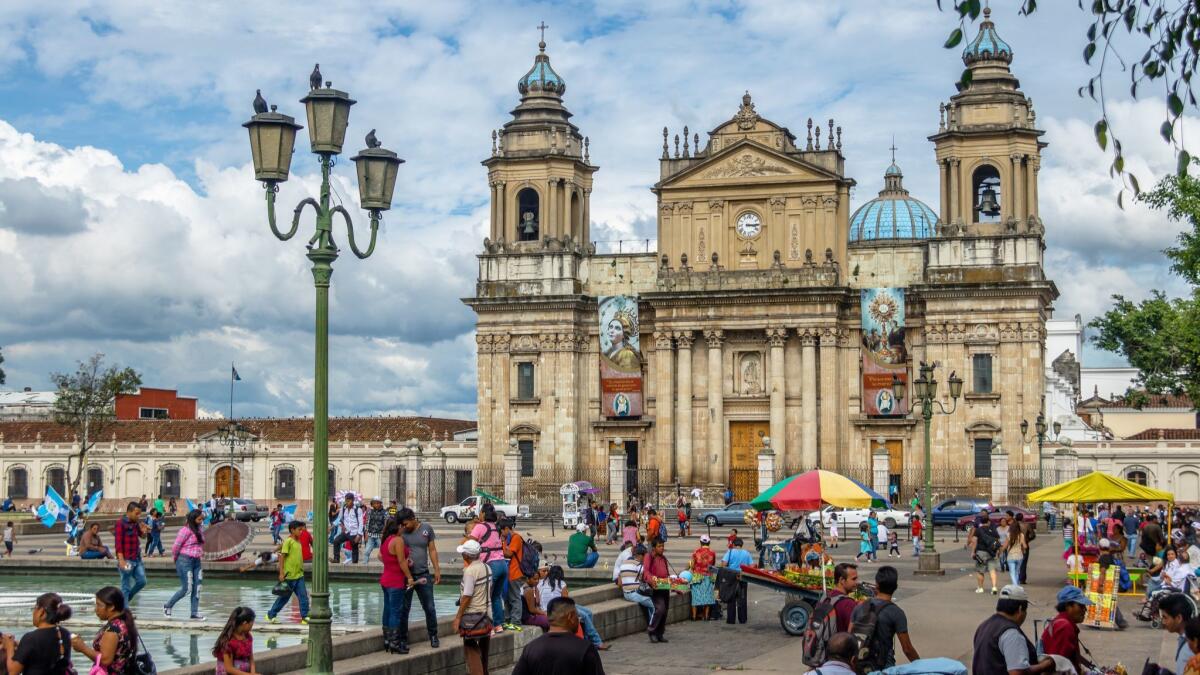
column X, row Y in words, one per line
column 260, row 103
column 373, row 142
column 314, row 80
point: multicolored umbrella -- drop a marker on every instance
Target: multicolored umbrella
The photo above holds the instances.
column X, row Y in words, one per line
column 811, row 490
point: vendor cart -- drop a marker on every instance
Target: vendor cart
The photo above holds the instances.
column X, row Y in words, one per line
column 801, row 596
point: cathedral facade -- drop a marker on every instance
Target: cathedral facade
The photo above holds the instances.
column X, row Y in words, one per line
column 771, row 308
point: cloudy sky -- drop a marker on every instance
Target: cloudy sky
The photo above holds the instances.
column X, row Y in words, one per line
column 130, row 222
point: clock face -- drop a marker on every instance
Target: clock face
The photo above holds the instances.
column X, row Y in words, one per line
column 749, row 225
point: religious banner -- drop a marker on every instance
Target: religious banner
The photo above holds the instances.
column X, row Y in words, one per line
column 884, row 354
column 620, row 357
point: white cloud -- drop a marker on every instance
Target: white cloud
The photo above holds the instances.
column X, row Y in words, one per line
column 180, row 278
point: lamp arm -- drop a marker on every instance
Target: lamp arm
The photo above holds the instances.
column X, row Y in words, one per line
column 272, row 188
column 953, row 406
column 350, row 230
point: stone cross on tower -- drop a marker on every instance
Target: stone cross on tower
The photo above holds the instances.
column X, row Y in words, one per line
column 542, row 27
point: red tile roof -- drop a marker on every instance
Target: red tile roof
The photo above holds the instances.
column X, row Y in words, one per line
column 358, row 429
column 1152, row 401
column 1165, row 434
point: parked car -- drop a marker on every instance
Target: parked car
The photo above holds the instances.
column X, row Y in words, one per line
column 734, row 514
column 949, row 511
column 247, row 510
column 995, row 516
column 848, row 519
column 467, row 508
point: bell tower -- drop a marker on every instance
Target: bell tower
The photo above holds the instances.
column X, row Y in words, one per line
column 988, row 148
column 540, row 169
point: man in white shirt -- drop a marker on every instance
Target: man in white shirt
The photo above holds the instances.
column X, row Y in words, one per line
column 624, row 554
column 628, row 577
column 350, row 524
column 697, row 498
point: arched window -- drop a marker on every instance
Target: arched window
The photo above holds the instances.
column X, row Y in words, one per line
column 18, row 483
column 95, row 481
column 285, row 483
column 576, row 215
column 332, row 481
column 169, row 484
column 529, row 215
column 1136, row 476
column 56, row 477
column 985, row 186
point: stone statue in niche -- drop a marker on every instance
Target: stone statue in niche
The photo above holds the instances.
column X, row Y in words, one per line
column 751, row 375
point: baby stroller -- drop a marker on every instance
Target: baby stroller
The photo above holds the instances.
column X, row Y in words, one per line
column 1149, row 609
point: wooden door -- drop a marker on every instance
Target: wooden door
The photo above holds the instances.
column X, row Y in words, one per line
column 745, row 442
column 895, row 449
column 227, row 485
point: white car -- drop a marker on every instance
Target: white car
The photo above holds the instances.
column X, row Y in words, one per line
column 848, row 519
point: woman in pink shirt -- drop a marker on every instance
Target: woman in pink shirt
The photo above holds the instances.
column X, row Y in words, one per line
column 187, row 552
column 487, row 533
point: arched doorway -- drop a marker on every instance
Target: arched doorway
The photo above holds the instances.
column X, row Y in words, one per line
column 228, row 482
column 1187, row 486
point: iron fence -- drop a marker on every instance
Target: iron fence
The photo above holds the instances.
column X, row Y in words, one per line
column 642, row 484
column 945, row 483
column 399, row 485
column 1022, row 480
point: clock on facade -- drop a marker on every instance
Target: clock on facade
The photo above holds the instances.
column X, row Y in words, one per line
column 749, row 225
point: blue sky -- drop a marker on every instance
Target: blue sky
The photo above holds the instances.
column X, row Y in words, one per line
column 132, row 225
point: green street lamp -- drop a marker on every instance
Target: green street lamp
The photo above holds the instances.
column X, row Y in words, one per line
column 272, row 140
column 1039, row 428
column 925, row 396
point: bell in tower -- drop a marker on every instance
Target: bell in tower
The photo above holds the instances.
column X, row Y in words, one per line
column 540, row 170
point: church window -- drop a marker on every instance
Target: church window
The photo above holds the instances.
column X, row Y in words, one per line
column 57, row 479
column 285, row 484
column 18, row 483
column 525, row 380
column 985, row 185
column 526, row 449
column 528, row 215
column 170, row 483
column 983, row 458
column 1136, row 476
column 95, row 480
column 981, row 373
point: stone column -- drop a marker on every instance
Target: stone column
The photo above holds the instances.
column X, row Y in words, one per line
column 944, row 184
column 716, row 458
column 879, row 469
column 829, row 402
column 766, row 466
column 586, row 226
column 549, row 213
column 565, row 190
column 494, row 185
column 999, row 474
column 955, row 197
column 777, row 337
column 1015, row 198
column 664, row 403
column 512, row 473
column 1062, row 465
column 808, row 398
column 683, row 417
column 1031, row 172
column 412, row 474
column 617, row 466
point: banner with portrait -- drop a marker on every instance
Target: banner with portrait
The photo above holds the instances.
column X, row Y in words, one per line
column 620, row 357
column 884, row 353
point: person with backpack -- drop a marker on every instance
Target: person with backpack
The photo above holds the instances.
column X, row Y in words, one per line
column 350, row 528
column 491, row 548
column 654, row 528
column 879, row 622
column 830, row 618
column 514, row 550
column 984, row 544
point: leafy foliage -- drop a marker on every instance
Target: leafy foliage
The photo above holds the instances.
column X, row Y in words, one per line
column 87, row 403
column 1161, row 336
column 1170, row 32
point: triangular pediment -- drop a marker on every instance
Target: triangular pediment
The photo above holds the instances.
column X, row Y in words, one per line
column 745, row 161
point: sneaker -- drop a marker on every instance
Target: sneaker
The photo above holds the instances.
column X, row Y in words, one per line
column 304, row 621
column 197, row 617
column 512, row 627
column 272, row 619
column 166, row 611
column 995, row 591
column 979, row 590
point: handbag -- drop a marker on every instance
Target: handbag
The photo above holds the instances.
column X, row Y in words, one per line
column 143, row 664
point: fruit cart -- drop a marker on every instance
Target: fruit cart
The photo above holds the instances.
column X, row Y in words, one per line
column 802, row 594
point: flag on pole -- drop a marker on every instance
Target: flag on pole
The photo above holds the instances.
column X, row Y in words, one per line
column 52, row 509
column 93, row 501
column 235, row 374
column 289, row 513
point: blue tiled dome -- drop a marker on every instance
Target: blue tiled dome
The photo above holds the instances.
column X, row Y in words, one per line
column 987, row 45
column 541, row 77
column 893, row 214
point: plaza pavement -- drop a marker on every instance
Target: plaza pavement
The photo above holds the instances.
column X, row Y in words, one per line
column 943, row 612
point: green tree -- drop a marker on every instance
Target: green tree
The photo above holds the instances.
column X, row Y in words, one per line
column 87, row 403
column 1169, row 31
column 1160, row 336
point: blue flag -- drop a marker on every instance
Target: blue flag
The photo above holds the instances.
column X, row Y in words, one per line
column 93, row 501
column 52, row 509
column 289, row 513
column 235, row 374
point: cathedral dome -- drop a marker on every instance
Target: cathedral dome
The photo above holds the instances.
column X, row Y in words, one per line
column 987, row 45
column 541, row 77
column 893, row 214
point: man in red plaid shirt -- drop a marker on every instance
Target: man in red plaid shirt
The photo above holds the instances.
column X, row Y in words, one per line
column 128, row 546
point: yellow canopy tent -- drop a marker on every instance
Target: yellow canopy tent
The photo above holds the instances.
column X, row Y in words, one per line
column 1101, row 487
